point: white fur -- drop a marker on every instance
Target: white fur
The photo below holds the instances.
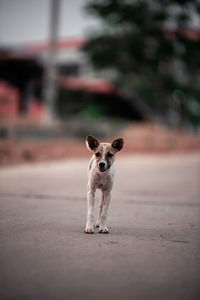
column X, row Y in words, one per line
column 103, row 159
column 104, row 182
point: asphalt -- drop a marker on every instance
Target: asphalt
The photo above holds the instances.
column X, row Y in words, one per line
column 152, row 251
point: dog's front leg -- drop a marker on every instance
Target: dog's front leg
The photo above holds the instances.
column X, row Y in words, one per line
column 90, row 211
column 107, row 197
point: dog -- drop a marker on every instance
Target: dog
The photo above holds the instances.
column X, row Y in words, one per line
column 100, row 176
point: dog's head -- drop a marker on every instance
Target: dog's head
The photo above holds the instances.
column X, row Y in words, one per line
column 104, row 152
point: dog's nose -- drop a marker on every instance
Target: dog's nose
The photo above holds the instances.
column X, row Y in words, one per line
column 101, row 165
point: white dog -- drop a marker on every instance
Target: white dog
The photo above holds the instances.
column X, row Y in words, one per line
column 100, row 176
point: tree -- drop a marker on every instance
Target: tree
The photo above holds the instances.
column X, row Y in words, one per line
column 152, row 49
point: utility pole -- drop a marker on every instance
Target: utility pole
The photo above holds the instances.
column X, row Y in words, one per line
column 50, row 71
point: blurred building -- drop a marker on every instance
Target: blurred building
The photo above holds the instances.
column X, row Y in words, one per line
column 81, row 90
column 22, row 59
column 21, row 75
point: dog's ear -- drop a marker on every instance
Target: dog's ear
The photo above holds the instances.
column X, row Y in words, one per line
column 92, row 143
column 118, row 144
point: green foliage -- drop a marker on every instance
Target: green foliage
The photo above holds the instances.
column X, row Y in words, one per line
column 92, row 112
column 93, row 106
column 151, row 46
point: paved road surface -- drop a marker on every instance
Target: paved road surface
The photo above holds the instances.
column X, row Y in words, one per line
column 151, row 253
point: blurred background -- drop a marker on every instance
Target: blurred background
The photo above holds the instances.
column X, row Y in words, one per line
column 107, row 68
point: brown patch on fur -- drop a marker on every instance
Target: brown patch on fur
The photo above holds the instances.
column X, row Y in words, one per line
column 92, row 142
column 118, row 144
column 108, row 150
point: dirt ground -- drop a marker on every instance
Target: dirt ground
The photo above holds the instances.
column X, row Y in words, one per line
column 138, row 139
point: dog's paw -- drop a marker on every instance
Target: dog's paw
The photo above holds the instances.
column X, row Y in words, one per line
column 104, row 230
column 88, row 230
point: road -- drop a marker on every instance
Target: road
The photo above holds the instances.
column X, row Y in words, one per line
column 152, row 252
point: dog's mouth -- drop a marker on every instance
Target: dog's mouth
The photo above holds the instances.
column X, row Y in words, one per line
column 102, row 169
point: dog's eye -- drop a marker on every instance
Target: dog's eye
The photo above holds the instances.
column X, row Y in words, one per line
column 109, row 154
column 97, row 154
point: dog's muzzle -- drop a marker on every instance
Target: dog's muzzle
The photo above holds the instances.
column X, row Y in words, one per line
column 102, row 166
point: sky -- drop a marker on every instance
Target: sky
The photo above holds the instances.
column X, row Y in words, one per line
column 24, row 21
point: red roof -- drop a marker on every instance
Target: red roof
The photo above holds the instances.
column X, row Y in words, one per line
column 89, row 84
column 69, row 43
column 77, row 42
column 190, row 34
